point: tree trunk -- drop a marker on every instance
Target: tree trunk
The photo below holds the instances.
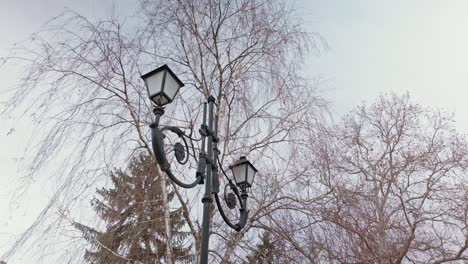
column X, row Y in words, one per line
column 167, row 219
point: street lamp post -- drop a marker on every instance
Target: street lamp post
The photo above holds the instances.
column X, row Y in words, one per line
column 163, row 85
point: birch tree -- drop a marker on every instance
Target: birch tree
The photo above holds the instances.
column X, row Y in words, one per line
column 90, row 110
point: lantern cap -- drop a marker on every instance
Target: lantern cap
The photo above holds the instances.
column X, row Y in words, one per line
column 241, row 161
column 164, row 67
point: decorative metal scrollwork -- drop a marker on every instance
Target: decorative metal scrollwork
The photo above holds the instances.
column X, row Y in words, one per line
column 230, row 199
column 207, row 165
column 181, row 152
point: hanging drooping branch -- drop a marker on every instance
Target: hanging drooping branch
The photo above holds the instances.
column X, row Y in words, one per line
column 91, row 112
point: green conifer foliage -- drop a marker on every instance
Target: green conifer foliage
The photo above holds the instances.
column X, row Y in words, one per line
column 265, row 253
column 132, row 210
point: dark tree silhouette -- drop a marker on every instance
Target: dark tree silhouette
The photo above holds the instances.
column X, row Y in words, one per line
column 264, row 253
column 134, row 217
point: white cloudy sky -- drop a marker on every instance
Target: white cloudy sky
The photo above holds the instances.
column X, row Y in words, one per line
column 375, row 47
column 381, row 46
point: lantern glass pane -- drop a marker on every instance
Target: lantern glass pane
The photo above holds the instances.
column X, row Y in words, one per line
column 154, row 83
column 250, row 175
column 171, row 86
column 239, row 173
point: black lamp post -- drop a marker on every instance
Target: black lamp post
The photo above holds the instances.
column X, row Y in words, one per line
column 163, row 85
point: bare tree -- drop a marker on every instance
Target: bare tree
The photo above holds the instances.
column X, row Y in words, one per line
column 240, row 51
column 395, row 177
column 90, row 109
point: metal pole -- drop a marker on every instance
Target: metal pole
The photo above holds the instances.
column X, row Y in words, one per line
column 207, row 200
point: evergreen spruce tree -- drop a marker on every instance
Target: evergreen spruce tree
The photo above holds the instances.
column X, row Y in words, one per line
column 133, row 213
column 266, row 252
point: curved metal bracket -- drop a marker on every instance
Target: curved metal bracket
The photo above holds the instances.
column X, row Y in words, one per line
column 244, row 213
column 157, row 138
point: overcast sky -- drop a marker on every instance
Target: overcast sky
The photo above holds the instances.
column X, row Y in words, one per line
column 375, row 47
column 382, row 46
